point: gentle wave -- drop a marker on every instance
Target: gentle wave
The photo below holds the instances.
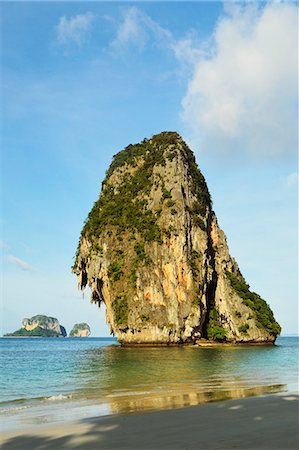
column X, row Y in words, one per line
column 20, row 400
column 13, row 409
column 25, row 403
column 59, row 397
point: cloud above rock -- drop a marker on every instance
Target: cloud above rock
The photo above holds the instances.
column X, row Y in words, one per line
column 243, row 93
column 74, row 29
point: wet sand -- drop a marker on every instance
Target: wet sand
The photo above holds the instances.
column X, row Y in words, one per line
column 255, row 423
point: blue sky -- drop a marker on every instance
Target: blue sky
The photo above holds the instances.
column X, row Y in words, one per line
column 80, row 81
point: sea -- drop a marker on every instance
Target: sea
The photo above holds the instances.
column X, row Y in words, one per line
column 51, row 380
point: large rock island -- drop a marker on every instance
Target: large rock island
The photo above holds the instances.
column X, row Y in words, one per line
column 152, row 251
column 40, row 326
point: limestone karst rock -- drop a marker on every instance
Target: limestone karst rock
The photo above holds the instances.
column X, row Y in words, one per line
column 42, row 326
column 152, row 251
column 80, row 330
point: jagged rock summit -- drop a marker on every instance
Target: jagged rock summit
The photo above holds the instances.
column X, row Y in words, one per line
column 152, row 251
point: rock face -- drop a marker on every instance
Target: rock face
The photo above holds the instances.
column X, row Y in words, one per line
column 44, row 322
column 42, row 326
column 80, row 330
column 63, row 331
column 152, row 251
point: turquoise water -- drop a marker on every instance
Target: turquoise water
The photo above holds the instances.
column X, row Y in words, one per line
column 39, row 372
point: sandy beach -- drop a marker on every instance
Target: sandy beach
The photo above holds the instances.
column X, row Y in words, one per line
column 256, row 423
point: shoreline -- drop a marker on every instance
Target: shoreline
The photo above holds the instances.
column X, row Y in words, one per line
column 51, row 410
column 262, row 422
column 204, row 344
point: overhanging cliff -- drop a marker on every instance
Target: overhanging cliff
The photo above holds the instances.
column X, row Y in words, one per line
column 152, row 251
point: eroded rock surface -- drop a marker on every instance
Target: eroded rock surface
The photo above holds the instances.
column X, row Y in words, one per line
column 152, row 251
column 80, row 330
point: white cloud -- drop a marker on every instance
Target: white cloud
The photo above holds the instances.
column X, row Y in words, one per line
column 241, row 82
column 130, row 30
column 137, row 29
column 292, row 179
column 243, row 91
column 19, row 263
column 185, row 49
column 73, row 30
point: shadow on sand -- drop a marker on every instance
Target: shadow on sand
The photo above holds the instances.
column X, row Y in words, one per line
column 260, row 423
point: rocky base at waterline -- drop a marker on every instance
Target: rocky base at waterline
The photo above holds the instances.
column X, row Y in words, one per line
column 39, row 326
column 151, row 249
column 80, row 330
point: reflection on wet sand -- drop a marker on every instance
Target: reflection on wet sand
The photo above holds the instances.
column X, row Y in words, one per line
column 139, row 379
column 147, row 402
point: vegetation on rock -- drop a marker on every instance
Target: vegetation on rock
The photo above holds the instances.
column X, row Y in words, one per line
column 115, row 271
column 215, row 330
column 40, row 325
column 36, row 332
column 264, row 317
column 122, row 208
column 151, row 249
column 244, row 328
column 120, row 308
column 194, row 260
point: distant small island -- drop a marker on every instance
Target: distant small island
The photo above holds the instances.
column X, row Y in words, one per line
column 39, row 326
column 80, row 330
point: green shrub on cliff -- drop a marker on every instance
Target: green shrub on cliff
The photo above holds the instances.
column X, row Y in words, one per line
column 199, row 208
column 193, row 262
column 199, row 223
column 120, row 309
column 165, row 194
column 215, row 330
column 171, row 155
column 244, row 328
column 115, row 271
column 151, row 149
column 123, row 208
column 170, row 203
column 264, row 317
column 141, row 254
column 196, row 301
column 217, row 333
column 199, row 186
column 196, row 213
